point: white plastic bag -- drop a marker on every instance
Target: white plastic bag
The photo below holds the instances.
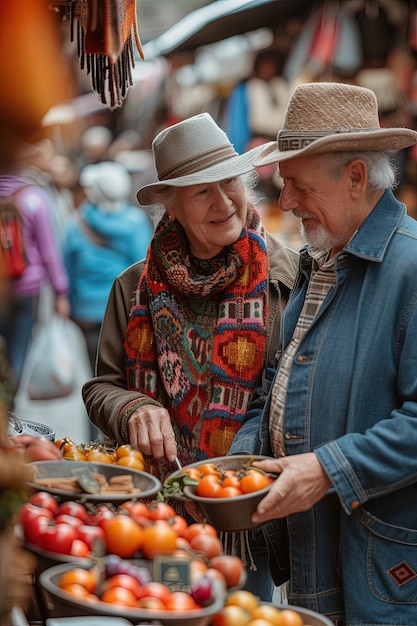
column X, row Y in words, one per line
column 53, row 364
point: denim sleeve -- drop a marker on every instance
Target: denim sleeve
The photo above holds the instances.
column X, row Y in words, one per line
column 248, row 440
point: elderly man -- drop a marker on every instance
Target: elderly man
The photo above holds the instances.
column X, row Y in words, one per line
column 340, row 417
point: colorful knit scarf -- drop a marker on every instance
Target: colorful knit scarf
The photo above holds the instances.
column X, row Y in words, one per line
column 196, row 336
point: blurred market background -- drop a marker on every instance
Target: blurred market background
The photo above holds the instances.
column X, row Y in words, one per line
column 197, row 53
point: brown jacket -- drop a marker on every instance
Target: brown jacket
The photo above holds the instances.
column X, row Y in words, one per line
column 107, row 400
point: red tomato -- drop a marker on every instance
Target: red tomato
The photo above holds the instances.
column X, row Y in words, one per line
column 34, row 520
column 199, row 528
column 155, row 589
column 123, row 535
column 45, row 500
column 58, row 538
column 126, row 581
column 179, row 524
column 230, row 566
column 80, row 549
column 68, row 519
column 91, row 535
column 209, row 486
column 160, row 510
column 158, row 537
column 181, row 601
column 154, row 604
column 207, row 545
column 76, row 509
column 103, row 513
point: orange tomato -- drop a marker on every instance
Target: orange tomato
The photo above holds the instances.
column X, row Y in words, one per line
column 160, row 511
column 154, row 604
column 232, row 568
column 119, row 596
column 199, row 528
column 79, row 576
column 128, row 450
column 123, row 580
column 289, row 617
column 209, row 486
column 99, row 455
column 268, row 612
column 192, row 472
column 231, row 615
column 155, row 589
column 158, row 537
column 231, row 480
column 228, row 492
column 123, row 535
column 179, row 524
column 73, row 453
column 253, row 481
column 75, row 589
column 209, row 468
column 130, row 461
column 181, row 601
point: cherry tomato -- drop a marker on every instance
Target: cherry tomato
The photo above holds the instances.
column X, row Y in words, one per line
column 158, row 537
column 253, row 481
column 160, row 510
column 231, row 480
column 45, row 500
column 209, row 486
column 192, row 472
column 73, row 453
column 123, row 535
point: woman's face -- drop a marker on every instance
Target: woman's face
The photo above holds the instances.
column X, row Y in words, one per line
column 211, row 214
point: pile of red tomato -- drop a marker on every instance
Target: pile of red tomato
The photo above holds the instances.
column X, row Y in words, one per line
column 136, row 529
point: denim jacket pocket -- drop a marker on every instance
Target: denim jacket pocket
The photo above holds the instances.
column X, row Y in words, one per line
column 391, row 560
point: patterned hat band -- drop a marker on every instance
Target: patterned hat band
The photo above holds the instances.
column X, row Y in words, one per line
column 199, row 162
column 297, row 140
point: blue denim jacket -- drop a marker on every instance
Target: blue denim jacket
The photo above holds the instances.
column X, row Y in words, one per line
column 352, row 398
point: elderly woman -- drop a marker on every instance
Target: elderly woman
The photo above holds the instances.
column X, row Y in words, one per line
column 189, row 331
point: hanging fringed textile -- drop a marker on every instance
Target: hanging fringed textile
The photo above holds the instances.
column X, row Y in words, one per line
column 105, row 33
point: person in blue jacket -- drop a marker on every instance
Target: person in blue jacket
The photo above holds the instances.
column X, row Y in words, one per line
column 106, row 236
column 340, row 416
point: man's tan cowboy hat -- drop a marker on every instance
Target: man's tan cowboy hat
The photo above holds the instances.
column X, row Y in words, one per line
column 332, row 117
column 194, row 151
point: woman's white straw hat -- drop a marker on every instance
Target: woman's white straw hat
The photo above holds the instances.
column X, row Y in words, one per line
column 192, row 152
column 332, row 117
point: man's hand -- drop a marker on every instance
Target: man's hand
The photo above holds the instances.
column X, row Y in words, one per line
column 151, row 432
column 301, row 483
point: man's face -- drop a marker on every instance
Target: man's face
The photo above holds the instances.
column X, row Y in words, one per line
column 322, row 203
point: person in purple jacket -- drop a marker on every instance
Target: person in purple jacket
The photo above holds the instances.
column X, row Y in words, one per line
column 18, row 313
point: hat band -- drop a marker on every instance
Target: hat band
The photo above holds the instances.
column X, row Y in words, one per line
column 297, row 140
column 199, row 162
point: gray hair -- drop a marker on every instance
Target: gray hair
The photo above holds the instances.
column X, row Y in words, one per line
column 164, row 196
column 381, row 170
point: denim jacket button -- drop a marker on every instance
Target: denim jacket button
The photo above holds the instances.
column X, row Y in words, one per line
column 354, row 505
column 302, row 358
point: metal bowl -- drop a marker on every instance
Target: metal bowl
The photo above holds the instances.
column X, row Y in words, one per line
column 228, row 514
column 146, row 485
column 62, row 604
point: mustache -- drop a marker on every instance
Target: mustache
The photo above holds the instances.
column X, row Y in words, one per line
column 303, row 216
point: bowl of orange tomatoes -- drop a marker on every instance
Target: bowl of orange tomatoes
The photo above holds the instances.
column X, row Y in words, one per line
column 227, row 489
column 117, row 483
column 72, row 591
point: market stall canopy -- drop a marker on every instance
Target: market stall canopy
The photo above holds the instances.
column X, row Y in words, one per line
column 223, row 19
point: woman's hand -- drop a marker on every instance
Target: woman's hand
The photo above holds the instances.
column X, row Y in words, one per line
column 301, row 483
column 151, row 432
